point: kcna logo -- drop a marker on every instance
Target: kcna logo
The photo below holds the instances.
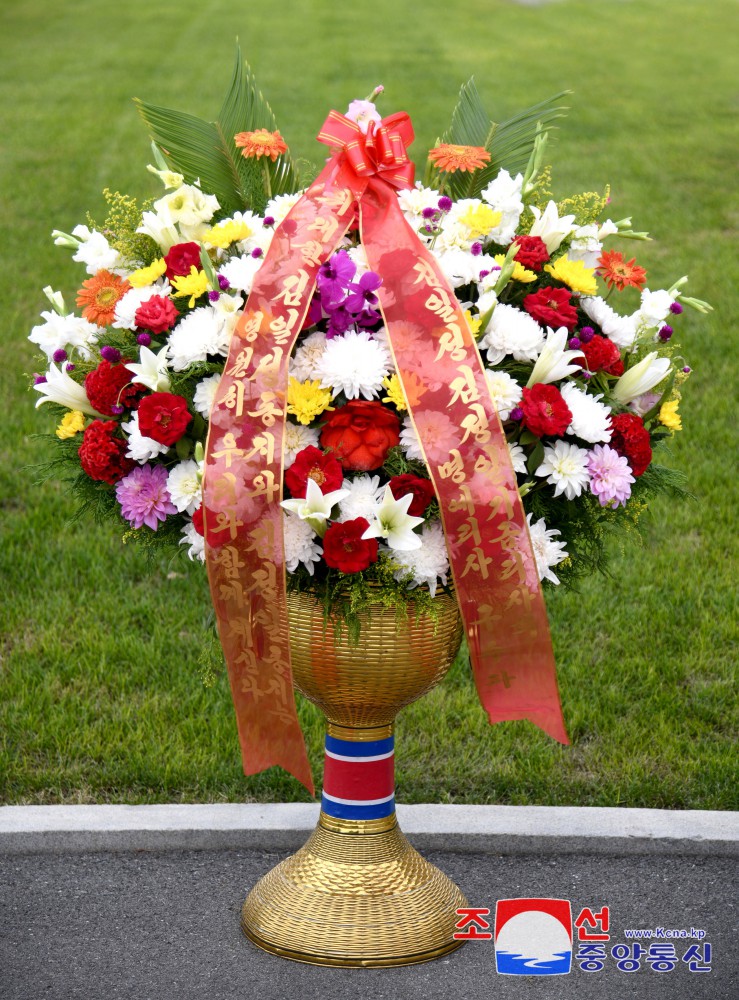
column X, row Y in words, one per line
column 533, row 937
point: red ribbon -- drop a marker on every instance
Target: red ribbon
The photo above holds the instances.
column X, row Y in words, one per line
column 492, row 563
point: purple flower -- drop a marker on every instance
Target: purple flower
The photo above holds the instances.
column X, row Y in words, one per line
column 586, row 334
column 38, row 379
column 362, row 293
column 269, row 220
column 428, row 213
column 223, row 282
column 339, row 321
column 610, row 476
column 213, row 296
column 574, row 343
column 144, row 339
column 676, row 308
column 257, row 252
column 368, row 319
column 144, row 497
column 476, row 249
column 61, row 355
column 516, row 413
column 334, row 276
column 665, row 332
column 445, row 203
column 111, row 354
column 687, row 370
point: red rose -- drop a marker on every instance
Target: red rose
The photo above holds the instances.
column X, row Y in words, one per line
column 545, row 412
column 532, row 252
column 181, row 258
column 421, row 489
column 158, row 314
column 551, row 307
column 361, row 433
column 345, row 549
column 197, row 521
column 102, row 454
column 311, row 463
column 112, row 385
column 163, row 417
column 630, row 438
column 602, row 355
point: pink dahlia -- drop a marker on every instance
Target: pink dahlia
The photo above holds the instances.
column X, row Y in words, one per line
column 144, row 497
column 610, row 476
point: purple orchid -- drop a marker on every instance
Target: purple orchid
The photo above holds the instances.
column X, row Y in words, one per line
column 362, row 293
column 334, row 277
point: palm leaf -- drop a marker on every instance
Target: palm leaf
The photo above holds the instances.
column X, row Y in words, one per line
column 509, row 143
column 206, row 150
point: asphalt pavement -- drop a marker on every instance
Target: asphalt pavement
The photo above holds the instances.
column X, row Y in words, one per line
column 164, row 925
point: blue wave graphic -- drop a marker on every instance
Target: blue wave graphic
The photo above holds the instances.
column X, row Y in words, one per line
column 512, row 964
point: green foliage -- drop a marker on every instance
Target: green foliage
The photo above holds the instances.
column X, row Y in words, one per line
column 206, row 151
column 124, row 217
column 587, row 207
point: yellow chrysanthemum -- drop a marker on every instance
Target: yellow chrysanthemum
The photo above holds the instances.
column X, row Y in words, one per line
column 305, row 400
column 72, row 423
column 226, row 233
column 147, row 275
column 574, row 274
column 193, row 284
column 394, row 392
column 480, row 220
column 669, row 416
column 520, row 273
column 473, row 322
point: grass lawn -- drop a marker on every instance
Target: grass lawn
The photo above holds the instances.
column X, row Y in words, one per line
column 100, row 696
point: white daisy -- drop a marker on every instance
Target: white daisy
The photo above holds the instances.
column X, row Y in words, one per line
column 62, row 332
column 505, row 392
column 141, row 448
column 304, row 365
column 512, row 331
column 196, row 542
column 364, row 495
column 566, row 468
column 279, row 206
column 548, row 553
column 205, row 394
column 354, row 364
column 298, row 437
column 301, row 544
column 184, row 484
column 518, row 457
column 428, row 564
column 590, row 417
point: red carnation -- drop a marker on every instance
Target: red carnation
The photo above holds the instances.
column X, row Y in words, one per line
column 551, row 307
column 361, row 433
column 102, row 454
column 532, row 252
column 345, row 549
column 158, row 314
column 630, row 438
column 112, row 385
column 545, row 412
column 197, row 521
column 311, row 463
column 163, row 417
column 181, row 258
column 421, row 489
column 602, row 355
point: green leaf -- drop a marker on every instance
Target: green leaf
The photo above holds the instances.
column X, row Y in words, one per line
column 509, row 143
column 206, row 151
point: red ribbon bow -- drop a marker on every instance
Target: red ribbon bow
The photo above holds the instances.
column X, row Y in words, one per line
column 380, row 151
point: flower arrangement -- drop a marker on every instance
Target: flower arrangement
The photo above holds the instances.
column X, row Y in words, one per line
column 586, row 388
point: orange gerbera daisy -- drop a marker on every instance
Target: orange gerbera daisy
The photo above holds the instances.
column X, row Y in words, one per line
column 449, row 158
column 619, row 272
column 100, row 295
column 260, row 143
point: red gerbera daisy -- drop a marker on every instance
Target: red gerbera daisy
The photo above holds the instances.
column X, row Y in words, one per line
column 619, row 272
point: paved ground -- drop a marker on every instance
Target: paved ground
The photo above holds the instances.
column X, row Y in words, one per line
column 159, row 925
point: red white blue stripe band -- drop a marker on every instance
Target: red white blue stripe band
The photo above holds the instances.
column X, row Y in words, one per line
column 359, row 778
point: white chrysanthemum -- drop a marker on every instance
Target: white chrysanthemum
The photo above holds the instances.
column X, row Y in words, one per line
column 354, row 364
column 413, row 201
column 62, row 332
column 428, row 564
column 279, row 206
column 548, row 553
column 205, row 394
column 620, row 329
column 512, row 331
column 95, row 252
column 566, row 468
column 301, row 544
column 141, row 448
column 195, row 337
column 459, row 267
column 298, row 437
column 590, row 417
column 187, row 206
column 505, row 392
column 504, row 195
column 364, row 494
column 185, row 487
column 359, row 257
column 439, row 436
column 654, row 309
column 304, row 365
column 127, row 306
column 240, row 271
column 195, row 541
column 518, row 457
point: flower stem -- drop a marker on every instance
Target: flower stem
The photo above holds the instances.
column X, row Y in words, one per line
column 267, row 182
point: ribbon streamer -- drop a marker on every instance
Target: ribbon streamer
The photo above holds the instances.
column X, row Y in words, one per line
column 492, row 561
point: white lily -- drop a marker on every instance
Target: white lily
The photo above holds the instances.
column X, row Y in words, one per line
column 641, row 378
column 60, row 388
column 553, row 363
column 161, row 228
column 56, row 299
column 169, row 178
column 395, row 524
column 151, row 370
column 315, row 507
column 550, row 227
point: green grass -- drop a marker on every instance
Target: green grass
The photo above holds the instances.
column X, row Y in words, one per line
column 100, row 698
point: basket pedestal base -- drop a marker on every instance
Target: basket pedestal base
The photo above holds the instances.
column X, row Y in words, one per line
column 357, row 894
